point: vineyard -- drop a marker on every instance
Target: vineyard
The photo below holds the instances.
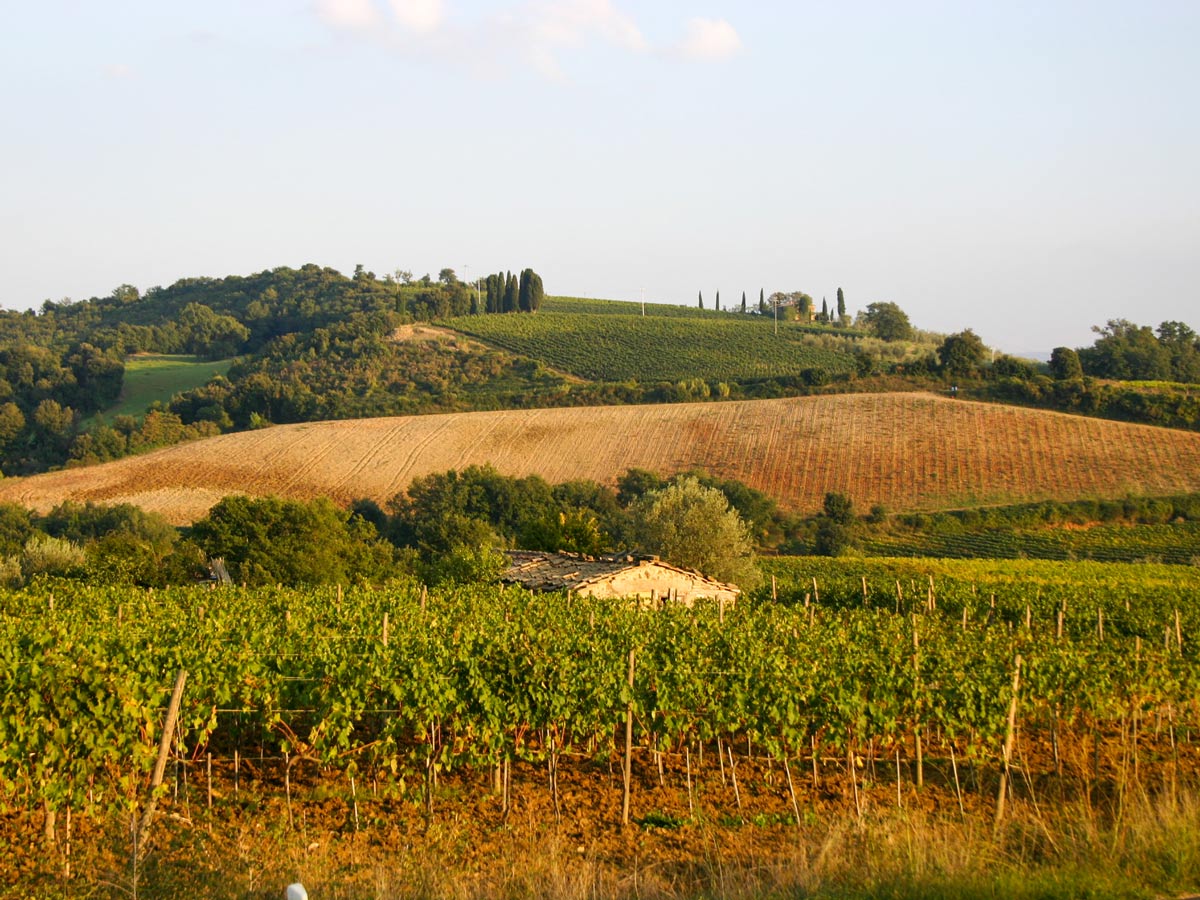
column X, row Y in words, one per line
column 903, row 665
column 621, row 347
column 1177, row 543
column 905, row 451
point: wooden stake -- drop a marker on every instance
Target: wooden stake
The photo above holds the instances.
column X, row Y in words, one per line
column 160, row 765
column 791, row 789
column 287, row 787
column 733, row 775
column 208, row 778
column 774, row 596
column 385, row 629
column 628, row 768
column 687, row 762
column 1009, row 732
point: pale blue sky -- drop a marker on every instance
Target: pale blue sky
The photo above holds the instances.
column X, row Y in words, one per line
column 1027, row 169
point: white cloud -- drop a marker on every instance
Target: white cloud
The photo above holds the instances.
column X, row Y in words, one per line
column 418, row 15
column 349, row 13
column 568, row 23
column 710, row 40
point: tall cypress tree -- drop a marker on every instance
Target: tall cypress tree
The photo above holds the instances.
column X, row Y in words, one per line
column 525, row 291
column 717, row 305
column 510, row 293
column 841, row 306
column 743, row 301
column 536, row 291
column 824, row 310
column 701, row 299
column 762, row 300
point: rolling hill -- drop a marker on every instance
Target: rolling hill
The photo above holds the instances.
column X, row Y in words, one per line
column 906, row 451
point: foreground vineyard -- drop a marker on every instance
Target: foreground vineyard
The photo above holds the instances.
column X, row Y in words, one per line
column 886, row 661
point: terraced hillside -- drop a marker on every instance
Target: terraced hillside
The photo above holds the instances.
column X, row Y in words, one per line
column 906, row 451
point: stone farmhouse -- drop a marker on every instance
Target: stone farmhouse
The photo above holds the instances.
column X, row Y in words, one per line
column 647, row 578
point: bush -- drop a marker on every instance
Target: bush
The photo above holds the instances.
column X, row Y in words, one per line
column 51, row 556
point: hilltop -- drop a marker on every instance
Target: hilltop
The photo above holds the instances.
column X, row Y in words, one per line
column 905, row 451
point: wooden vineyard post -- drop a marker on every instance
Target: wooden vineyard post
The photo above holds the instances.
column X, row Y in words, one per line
column 160, row 765
column 864, row 584
column 1009, row 732
column 917, row 724
column 1178, row 632
column 385, row 629
column 774, row 595
column 628, row 769
column 816, row 593
column 791, row 787
column 687, row 762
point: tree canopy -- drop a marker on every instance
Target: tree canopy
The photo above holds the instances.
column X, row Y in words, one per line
column 693, row 526
column 888, row 322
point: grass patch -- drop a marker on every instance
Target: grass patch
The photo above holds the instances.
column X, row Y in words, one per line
column 153, row 376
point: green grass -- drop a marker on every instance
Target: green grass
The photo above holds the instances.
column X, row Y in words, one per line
column 150, row 377
column 668, row 346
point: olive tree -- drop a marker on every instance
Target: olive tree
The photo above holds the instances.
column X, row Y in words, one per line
column 693, row 526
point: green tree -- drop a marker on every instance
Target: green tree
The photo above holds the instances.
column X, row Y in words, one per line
column 824, row 310
column 1127, row 351
column 962, row 353
column 701, row 296
column 12, row 421
column 743, row 302
column 762, row 300
column 841, row 307
column 693, row 527
column 838, row 508
column 717, row 302
column 1064, row 364
column 270, row 539
column 511, row 294
column 888, row 322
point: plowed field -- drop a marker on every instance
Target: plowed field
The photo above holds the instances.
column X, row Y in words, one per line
column 906, row 451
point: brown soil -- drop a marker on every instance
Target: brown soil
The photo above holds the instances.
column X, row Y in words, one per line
column 905, row 451
column 377, row 837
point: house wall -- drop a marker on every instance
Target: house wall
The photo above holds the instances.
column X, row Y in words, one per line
column 651, row 582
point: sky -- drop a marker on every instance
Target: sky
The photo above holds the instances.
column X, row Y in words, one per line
column 1025, row 169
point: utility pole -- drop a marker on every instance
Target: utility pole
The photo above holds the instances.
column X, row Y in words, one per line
column 643, row 303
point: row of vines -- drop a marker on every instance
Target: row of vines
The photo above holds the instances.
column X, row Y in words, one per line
column 656, row 348
column 401, row 682
column 1177, row 544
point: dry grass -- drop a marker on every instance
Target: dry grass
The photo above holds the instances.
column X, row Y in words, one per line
column 1069, row 851
column 906, row 451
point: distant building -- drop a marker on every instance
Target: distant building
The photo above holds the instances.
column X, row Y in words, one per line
column 647, row 578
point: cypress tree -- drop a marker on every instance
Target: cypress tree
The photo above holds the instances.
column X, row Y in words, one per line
column 537, row 292
column 510, row 293
column 702, row 299
column 824, row 310
column 717, row 305
column 762, row 300
column 525, row 291
column 841, row 306
column 743, row 302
